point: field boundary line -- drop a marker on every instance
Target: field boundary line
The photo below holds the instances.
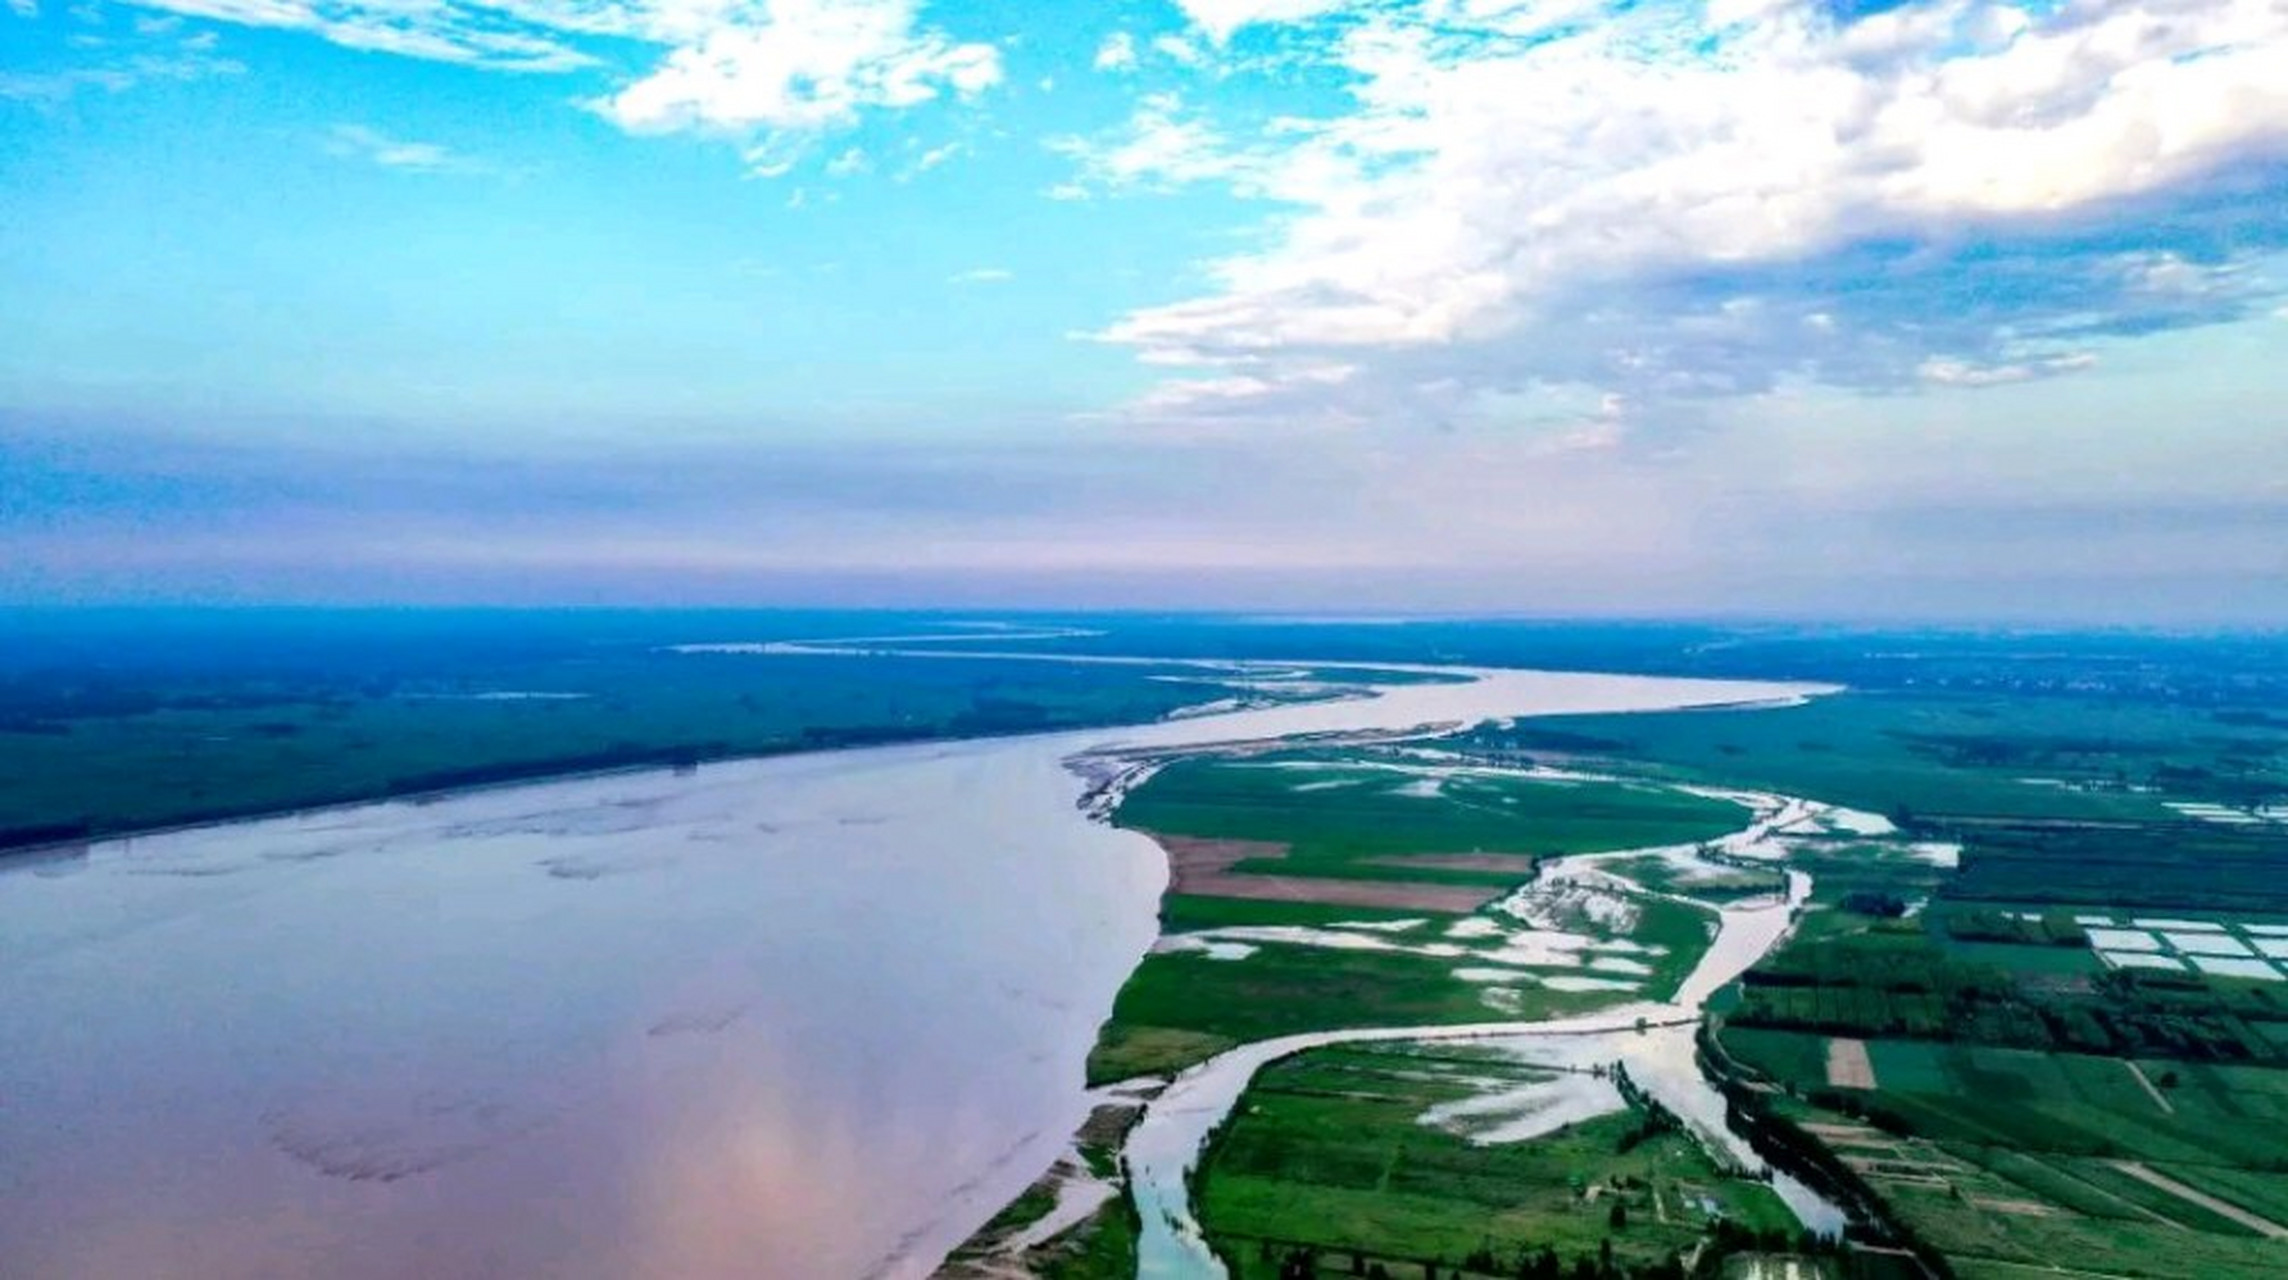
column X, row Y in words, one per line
column 2167, row 1107
column 2262, row 1226
column 2110, row 1194
column 2046, row 1268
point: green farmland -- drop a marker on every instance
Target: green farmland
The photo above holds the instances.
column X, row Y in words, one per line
column 1363, row 843
column 1330, row 1156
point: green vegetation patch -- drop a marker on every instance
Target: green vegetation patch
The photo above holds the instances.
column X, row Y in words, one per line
column 1327, row 1152
column 2179, row 867
column 1101, row 1248
column 1939, row 755
column 1341, row 818
column 1183, row 1007
column 97, row 750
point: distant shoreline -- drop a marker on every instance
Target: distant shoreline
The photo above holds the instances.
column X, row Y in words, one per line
column 685, row 757
column 10, row 854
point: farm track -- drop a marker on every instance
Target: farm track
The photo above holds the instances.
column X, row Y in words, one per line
column 2159, row 1099
column 2222, row 1208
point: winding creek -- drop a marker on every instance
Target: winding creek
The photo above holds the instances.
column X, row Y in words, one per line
column 1653, row 1039
column 806, row 1016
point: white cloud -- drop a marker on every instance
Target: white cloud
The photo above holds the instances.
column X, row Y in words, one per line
column 772, row 75
column 931, row 159
column 1959, row 373
column 1643, row 201
column 158, row 55
column 520, row 35
column 24, row 8
column 982, row 275
column 795, row 68
column 366, row 143
column 1117, row 53
column 1220, row 18
column 1178, row 49
column 1162, row 145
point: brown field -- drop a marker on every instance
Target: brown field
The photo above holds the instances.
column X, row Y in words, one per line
column 1203, row 867
column 1848, row 1066
column 2022, row 1208
column 1849, row 1134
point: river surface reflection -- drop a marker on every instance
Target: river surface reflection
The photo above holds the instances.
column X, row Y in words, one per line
column 811, row 1016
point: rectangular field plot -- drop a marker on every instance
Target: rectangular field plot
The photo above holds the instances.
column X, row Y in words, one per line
column 2123, row 940
column 1790, row 1057
column 1848, row 1066
column 2142, row 960
column 2237, row 967
column 2207, row 944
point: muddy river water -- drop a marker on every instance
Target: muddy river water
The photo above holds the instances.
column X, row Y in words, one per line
column 814, row 1016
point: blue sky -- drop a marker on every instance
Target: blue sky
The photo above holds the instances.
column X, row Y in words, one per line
column 1940, row 309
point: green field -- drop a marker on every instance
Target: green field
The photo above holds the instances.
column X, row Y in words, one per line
column 189, row 749
column 1341, row 815
column 1179, row 1009
column 1365, row 815
column 1328, row 1152
column 1183, row 1007
column 1998, row 1154
column 1936, row 754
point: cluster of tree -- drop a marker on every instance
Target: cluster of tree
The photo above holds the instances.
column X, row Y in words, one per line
column 1305, row 1262
column 2123, row 1014
column 2174, row 866
column 822, row 737
column 1726, row 1239
column 1653, row 1119
column 1883, row 961
column 31, row 834
column 1870, row 902
column 2052, row 929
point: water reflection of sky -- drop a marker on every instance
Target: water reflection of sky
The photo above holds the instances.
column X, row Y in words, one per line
column 814, row 1016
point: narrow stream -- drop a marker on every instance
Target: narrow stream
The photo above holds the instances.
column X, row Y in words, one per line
column 1654, row 1039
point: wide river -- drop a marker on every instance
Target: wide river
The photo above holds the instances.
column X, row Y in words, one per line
column 812, row 1016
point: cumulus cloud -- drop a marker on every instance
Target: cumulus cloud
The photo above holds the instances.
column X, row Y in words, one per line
column 794, row 68
column 1178, row 49
column 1666, row 202
column 772, row 75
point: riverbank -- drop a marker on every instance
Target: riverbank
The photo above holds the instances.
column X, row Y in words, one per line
column 1164, row 1150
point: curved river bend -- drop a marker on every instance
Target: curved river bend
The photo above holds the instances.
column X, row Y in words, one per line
column 806, row 1016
